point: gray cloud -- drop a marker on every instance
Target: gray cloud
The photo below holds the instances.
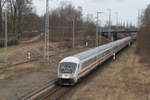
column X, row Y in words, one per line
column 127, row 8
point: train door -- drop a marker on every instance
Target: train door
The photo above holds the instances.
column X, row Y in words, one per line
column 78, row 69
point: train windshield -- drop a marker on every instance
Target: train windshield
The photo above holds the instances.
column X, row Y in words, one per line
column 67, row 67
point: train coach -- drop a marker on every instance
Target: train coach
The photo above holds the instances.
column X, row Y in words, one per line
column 72, row 68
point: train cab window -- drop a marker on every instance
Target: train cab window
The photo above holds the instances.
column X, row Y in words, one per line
column 67, row 67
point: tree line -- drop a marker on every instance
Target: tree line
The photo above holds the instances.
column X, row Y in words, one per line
column 143, row 46
column 23, row 20
column 21, row 17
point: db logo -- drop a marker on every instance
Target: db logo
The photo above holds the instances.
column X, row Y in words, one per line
column 66, row 75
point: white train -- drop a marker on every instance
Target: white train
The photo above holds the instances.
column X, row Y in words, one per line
column 72, row 68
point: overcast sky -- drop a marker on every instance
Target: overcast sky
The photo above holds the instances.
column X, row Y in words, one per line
column 127, row 9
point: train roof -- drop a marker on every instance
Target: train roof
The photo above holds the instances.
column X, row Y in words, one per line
column 71, row 59
column 88, row 53
column 77, row 58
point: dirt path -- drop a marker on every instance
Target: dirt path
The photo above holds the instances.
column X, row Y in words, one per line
column 123, row 79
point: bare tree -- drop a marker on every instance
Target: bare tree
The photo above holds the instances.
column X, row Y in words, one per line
column 17, row 9
column 144, row 36
column 0, row 17
column 2, row 3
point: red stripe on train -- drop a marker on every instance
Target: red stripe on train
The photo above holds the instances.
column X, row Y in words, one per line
column 93, row 65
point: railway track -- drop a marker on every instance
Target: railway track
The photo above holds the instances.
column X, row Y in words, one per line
column 34, row 95
column 56, row 93
column 50, row 91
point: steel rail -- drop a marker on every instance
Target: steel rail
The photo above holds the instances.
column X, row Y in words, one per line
column 33, row 95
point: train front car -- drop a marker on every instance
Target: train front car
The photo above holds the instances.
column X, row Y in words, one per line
column 67, row 70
